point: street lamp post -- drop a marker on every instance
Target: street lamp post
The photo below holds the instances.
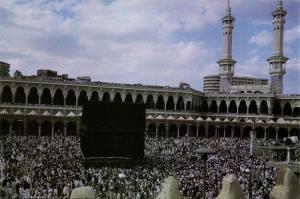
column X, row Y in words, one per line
column 204, row 153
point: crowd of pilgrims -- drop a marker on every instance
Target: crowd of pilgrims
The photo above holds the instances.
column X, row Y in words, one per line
column 50, row 167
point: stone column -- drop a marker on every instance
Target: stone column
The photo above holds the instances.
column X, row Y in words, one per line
column 40, row 129
column 65, row 130
column 197, row 131
column 276, row 129
column 178, row 132
column 52, row 129
column 216, row 132
column 156, row 132
column 10, row 128
column 265, row 134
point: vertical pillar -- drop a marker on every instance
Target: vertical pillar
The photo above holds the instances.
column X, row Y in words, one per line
column 156, row 132
column 197, row 131
column 40, row 129
column 265, row 134
column 216, row 131
column 10, row 128
column 178, row 132
column 276, row 133
column 188, row 130
column 52, row 129
column 65, row 130
column 224, row 131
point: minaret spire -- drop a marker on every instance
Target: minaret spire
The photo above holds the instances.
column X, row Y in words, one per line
column 226, row 64
column 277, row 60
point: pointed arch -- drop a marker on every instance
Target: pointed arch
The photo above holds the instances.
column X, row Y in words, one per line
column 46, row 97
column 71, row 98
column 83, row 98
column 223, row 107
column 264, row 109
column 128, row 99
column 150, row 102
column 6, row 95
column 106, row 97
column 33, row 96
column 58, row 98
column 193, row 131
column 242, row 107
column 94, row 97
column 180, row 104
column 253, row 107
column 117, row 98
column 232, row 107
column 160, row 103
column 287, row 109
column 170, row 103
column 189, row 106
column 139, row 99
column 204, row 107
column 20, row 97
column 213, row 108
column 211, row 131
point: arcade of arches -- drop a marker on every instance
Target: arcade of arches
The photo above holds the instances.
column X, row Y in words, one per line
column 38, row 128
column 70, row 98
column 212, row 130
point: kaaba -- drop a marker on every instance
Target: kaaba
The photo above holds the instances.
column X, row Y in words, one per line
column 112, row 132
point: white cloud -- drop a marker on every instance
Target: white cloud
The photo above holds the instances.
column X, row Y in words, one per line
column 262, row 38
column 292, row 34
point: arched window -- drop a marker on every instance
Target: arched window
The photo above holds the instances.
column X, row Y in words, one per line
column 20, row 96
column 128, row 99
column 160, row 104
column 58, row 98
column 173, row 130
column 264, row 107
column 232, row 107
column 33, row 96
column 287, row 109
column 253, row 107
column 180, row 104
column 223, row 107
column 6, row 95
column 242, row 107
column 95, row 97
column 106, row 97
column 83, row 98
column 204, row 107
column 170, row 103
column 46, row 96
column 117, row 98
column 139, row 99
column 150, row 102
column 71, row 98
column 213, row 107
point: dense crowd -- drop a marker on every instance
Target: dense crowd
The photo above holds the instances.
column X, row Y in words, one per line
column 50, row 167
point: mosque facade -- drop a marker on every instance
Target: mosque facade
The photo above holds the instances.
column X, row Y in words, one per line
column 229, row 106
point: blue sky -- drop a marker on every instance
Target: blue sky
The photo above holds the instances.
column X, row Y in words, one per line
column 144, row 41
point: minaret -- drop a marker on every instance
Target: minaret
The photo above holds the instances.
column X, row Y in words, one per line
column 277, row 60
column 226, row 64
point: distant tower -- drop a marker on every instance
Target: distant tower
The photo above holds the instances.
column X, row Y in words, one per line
column 277, row 60
column 226, row 64
column 4, row 69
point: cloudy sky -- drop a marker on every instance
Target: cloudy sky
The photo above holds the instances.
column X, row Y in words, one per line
column 144, row 41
